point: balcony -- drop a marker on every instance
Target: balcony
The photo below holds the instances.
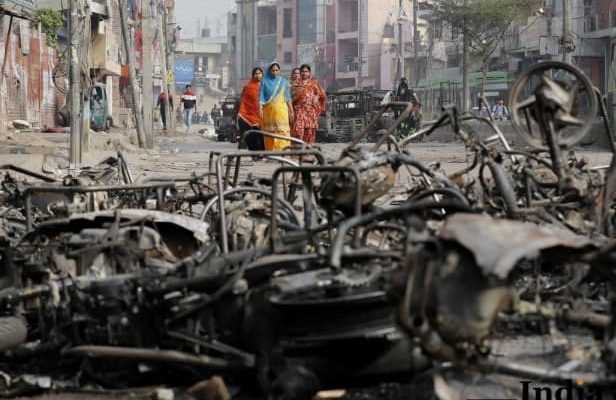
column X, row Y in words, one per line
column 348, row 16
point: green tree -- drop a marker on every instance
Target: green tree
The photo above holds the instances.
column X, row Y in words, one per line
column 484, row 24
column 51, row 23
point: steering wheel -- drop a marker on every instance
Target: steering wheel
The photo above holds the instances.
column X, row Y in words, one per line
column 553, row 94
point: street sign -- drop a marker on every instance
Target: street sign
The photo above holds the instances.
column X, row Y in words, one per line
column 184, row 71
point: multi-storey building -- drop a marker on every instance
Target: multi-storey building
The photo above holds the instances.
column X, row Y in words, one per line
column 206, row 56
column 360, row 27
column 341, row 39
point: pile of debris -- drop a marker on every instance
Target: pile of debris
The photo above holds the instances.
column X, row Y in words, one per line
column 314, row 279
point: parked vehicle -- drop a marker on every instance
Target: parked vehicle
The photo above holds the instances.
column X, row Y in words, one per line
column 226, row 125
column 100, row 117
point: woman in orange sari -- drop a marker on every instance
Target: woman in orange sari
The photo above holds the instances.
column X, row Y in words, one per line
column 276, row 108
column 308, row 104
column 249, row 115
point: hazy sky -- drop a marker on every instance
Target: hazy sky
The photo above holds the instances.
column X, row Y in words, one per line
column 189, row 11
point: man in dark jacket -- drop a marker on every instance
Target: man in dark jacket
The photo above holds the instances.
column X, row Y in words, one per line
column 163, row 99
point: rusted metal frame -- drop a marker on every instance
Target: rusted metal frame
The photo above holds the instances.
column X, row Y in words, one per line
column 540, row 374
column 441, row 191
column 248, row 360
column 125, row 171
column 381, row 227
column 311, row 169
column 606, row 121
column 442, row 121
column 274, row 155
column 364, row 132
column 345, row 226
column 222, row 185
column 403, row 116
column 29, row 191
column 211, row 165
column 152, row 355
column 24, row 171
column 280, row 137
column 241, row 189
column 412, row 313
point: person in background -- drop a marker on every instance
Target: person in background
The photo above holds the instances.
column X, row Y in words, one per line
column 308, row 103
column 214, row 114
column 163, row 100
column 403, row 93
column 189, row 103
column 500, row 112
column 276, row 108
column 249, row 114
column 296, row 81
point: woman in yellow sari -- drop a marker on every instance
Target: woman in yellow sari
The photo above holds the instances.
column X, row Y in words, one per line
column 276, row 108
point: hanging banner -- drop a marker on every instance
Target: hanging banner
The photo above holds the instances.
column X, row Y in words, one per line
column 184, row 71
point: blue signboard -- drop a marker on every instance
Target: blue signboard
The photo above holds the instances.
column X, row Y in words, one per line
column 184, row 71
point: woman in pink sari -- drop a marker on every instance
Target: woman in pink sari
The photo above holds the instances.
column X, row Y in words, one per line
column 308, row 104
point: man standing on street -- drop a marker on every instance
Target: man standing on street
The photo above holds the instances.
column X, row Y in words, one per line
column 163, row 99
column 500, row 111
column 189, row 102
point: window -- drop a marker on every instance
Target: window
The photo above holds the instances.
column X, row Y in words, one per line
column 613, row 19
column 288, row 57
column 266, row 21
column 590, row 24
column 437, row 27
column 455, row 33
column 453, row 60
column 287, row 23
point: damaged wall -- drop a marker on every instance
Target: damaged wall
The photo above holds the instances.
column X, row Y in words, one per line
column 28, row 91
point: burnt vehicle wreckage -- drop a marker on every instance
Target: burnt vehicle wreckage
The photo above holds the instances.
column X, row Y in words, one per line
column 321, row 276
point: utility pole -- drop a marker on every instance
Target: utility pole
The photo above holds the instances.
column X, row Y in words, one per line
column 148, row 82
column 169, row 22
column 163, row 62
column 466, row 92
column 132, row 75
column 75, row 83
column 360, row 46
column 415, row 44
column 85, row 59
column 400, row 72
column 565, row 40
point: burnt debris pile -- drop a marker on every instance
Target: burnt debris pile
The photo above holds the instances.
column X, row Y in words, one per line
column 374, row 273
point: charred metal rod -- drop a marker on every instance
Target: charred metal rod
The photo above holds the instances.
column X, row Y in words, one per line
column 24, row 171
column 152, row 355
column 83, row 189
column 242, row 189
column 338, row 244
column 545, row 375
column 247, row 358
column 308, row 169
column 504, row 187
column 221, row 185
column 405, row 114
column 279, row 137
column 606, row 120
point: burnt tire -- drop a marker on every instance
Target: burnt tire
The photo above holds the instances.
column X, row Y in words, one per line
column 13, row 332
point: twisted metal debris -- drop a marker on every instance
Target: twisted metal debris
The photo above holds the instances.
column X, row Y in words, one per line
column 316, row 278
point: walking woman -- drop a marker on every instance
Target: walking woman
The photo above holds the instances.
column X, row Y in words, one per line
column 308, row 103
column 249, row 115
column 276, row 108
